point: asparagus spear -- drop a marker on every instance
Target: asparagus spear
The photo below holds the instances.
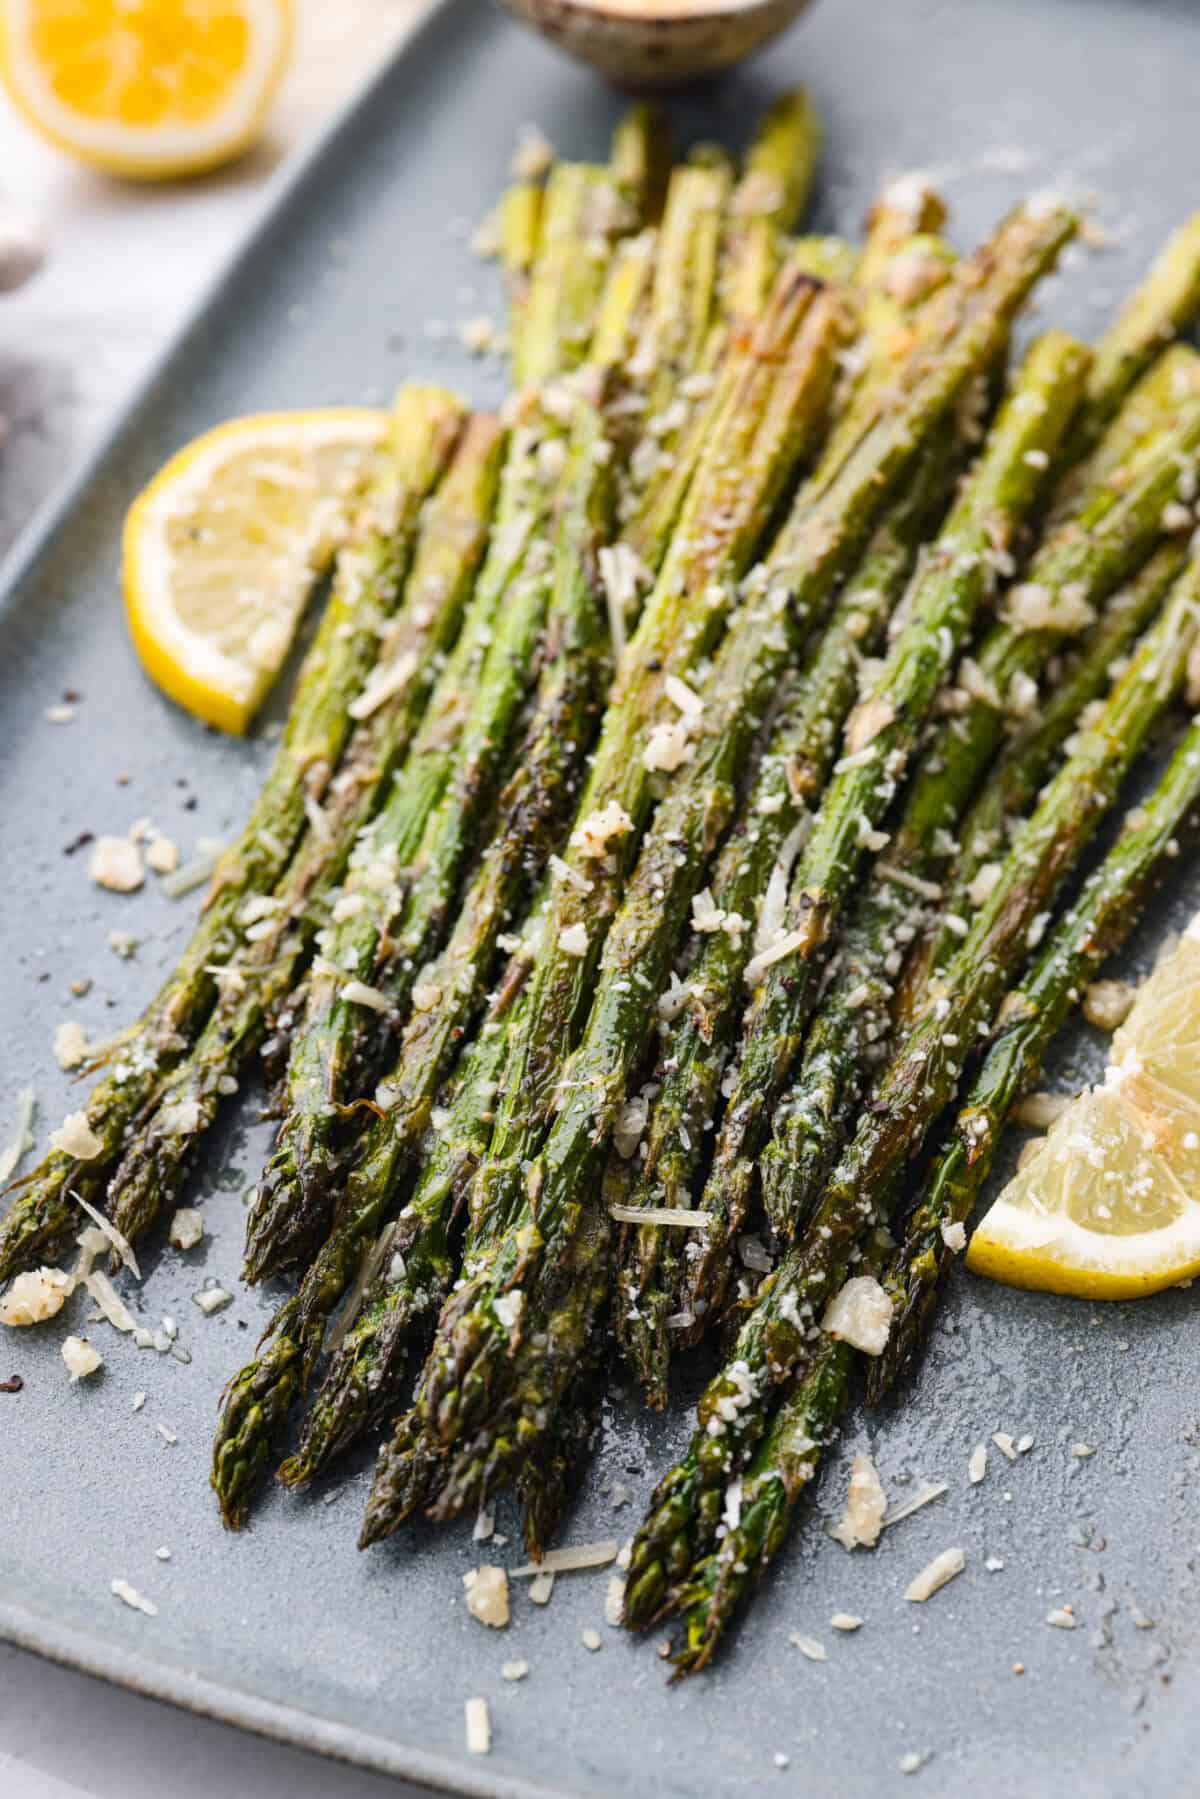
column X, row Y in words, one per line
column 464, row 1374
column 808, row 1415
column 1164, row 305
column 919, row 1081
column 880, row 739
column 1096, row 926
column 770, row 198
column 292, row 1209
column 793, row 773
column 370, row 574
column 853, row 1021
column 1149, row 406
column 583, row 213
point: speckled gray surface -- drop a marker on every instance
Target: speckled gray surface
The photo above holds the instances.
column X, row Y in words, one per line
column 287, row 1628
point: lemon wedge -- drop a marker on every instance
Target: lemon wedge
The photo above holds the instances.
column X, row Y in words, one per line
column 1109, row 1206
column 224, row 547
column 145, row 88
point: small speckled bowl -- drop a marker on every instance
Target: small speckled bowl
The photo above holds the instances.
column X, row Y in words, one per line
column 639, row 44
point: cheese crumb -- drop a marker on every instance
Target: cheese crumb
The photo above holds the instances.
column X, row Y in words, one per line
column 116, row 863
column 954, row 1235
column 35, row 1296
column 574, row 940
column 977, row 1464
column 130, row 1596
column 1107, row 1004
column 860, row 1314
column 212, row 1299
column 591, row 1639
column 866, row 1504
column 487, row 1595
column 846, row 1621
column 540, row 1589
column 593, row 834
column 81, row 1358
column 515, row 1670
column 187, row 1227
column 1005, row 1444
column 162, row 855
column 70, row 1044
column 808, row 1646
column 1062, row 1618
column 668, row 747
column 479, row 1727
column 932, row 1579
column 1081, row 1451
column 75, row 1137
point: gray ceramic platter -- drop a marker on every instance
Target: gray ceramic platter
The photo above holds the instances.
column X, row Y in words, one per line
column 355, row 279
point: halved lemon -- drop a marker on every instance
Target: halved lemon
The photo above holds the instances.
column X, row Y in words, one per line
column 1109, row 1207
column 224, row 547
column 146, row 88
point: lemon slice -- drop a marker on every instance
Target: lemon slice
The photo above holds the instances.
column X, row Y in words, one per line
column 224, row 547
column 1109, row 1207
column 147, row 88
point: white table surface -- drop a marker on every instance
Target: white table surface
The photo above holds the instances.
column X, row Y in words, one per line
column 125, row 267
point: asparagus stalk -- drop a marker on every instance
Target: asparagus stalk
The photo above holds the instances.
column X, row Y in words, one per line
column 370, row 574
column 880, row 739
column 583, row 213
column 1163, row 306
column 809, row 1413
column 1096, row 926
column 918, row 1083
column 799, row 758
column 1149, row 407
column 770, row 198
column 292, row 1209
column 465, row 1374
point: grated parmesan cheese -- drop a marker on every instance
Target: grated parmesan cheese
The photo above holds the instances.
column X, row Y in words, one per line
column 35, row 1296
column 569, row 1559
column 574, row 940
column 130, row 1596
column 478, row 1726
column 860, row 1313
column 70, row 1045
column 81, row 1359
column 487, row 1595
column 866, row 1504
column 977, row 1464
column 954, row 1235
column 593, row 834
column 22, row 1137
column 75, row 1137
column 942, row 1569
column 359, row 994
column 809, row 1647
column 187, row 1227
column 162, row 855
column 116, row 863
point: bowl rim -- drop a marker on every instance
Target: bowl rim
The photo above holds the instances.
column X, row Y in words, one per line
column 655, row 12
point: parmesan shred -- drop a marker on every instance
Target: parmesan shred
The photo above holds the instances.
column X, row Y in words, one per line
column 925, row 1494
column 1040, row 1110
column 570, row 1559
column 187, row 1228
column 681, row 1215
column 109, row 1301
column 900, row 877
column 116, row 863
column 193, row 874
column 942, row 1569
column 119, row 1242
column 1107, row 1004
column 487, row 1595
column 359, row 994
column 479, row 1727
column 21, row 1140
column 784, row 946
column 866, row 722
column 130, row 1596
column 386, row 681
column 860, row 1314
column 81, row 1359
column 809, row 1647
column 75, row 1137
column 35, row 1297
column 866, row 1504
